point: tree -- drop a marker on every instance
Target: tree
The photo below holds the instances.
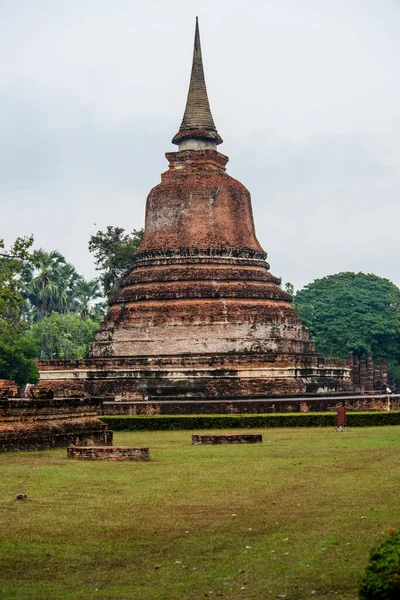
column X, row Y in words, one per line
column 17, row 354
column 289, row 288
column 48, row 283
column 44, row 289
column 63, row 336
column 85, row 294
column 113, row 251
column 16, row 349
column 352, row 312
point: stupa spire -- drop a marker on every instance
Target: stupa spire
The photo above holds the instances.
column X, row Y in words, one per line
column 197, row 130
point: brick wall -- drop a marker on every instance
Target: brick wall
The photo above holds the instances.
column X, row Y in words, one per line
column 38, row 424
column 111, row 453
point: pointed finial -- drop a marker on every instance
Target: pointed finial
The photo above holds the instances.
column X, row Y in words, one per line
column 197, row 130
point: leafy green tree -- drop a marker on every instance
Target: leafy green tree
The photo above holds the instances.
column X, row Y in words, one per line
column 44, row 289
column 48, row 284
column 16, row 349
column 352, row 312
column 17, row 354
column 289, row 288
column 85, row 296
column 113, row 250
column 63, row 336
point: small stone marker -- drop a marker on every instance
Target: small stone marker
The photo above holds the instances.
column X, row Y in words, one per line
column 341, row 418
column 113, row 453
column 227, row 438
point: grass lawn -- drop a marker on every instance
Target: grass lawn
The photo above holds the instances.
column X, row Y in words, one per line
column 293, row 517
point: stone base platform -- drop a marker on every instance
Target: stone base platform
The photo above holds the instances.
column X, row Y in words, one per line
column 41, row 424
column 112, row 453
column 194, row 376
column 227, row 438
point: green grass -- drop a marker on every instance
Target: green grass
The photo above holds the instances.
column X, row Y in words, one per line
column 307, row 503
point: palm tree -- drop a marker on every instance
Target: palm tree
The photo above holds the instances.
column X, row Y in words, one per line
column 48, row 284
column 85, row 295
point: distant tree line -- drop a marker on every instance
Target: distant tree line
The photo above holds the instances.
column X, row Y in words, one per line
column 47, row 309
column 353, row 312
column 113, row 251
column 17, row 349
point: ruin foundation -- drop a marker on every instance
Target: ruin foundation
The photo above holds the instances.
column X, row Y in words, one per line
column 252, row 406
column 40, row 424
column 227, row 438
column 110, row 453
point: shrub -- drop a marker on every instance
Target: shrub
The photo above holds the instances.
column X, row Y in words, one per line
column 372, row 419
column 381, row 580
column 185, row 422
column 181, row 422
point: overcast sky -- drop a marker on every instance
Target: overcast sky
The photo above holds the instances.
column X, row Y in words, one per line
column 305, row 94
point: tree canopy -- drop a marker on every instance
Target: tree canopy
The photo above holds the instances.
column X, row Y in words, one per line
column 352, row 312
column 49, row 283
column 63, row 336
column 17, row 350
column 17, row 354
column 47, row 310
column 113, row 251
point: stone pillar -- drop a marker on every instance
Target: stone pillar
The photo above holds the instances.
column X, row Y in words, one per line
column 363, row 373
column 377, row 377
column 391, row 380
column 350, row 360
column 355, row 374
column 370, row 371
column 384, row 373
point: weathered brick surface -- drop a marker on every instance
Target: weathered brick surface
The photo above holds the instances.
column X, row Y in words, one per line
column 200, row 282
column 38, row 424
column 200, row 314
column 234, row 406
column 368, row 374
column 199, row 206
column 8, row 389
column 227, row 438
column 111, row 453
column 226, row 375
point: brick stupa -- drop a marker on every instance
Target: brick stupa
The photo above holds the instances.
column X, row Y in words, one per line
column 200, row 315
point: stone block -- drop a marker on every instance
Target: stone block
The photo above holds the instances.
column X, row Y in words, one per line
column 227, row 438
column 39, row 424
column 111, row 453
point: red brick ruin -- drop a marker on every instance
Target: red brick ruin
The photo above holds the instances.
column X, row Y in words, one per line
column 110, row 453
column 200, row 315
column 34, row 424
column 369, row 374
